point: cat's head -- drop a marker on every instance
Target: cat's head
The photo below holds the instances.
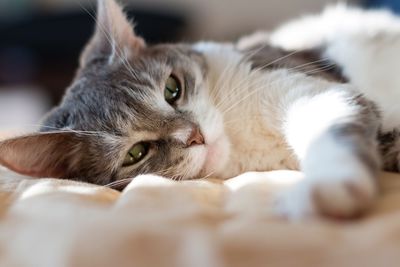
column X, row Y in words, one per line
column 131, row 109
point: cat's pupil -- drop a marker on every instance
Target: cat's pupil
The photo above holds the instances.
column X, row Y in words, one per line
column 136, row 153
column 172, row 90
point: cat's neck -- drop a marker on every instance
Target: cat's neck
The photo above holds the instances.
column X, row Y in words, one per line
column 237, row 89
column 240, row 93
column 224, row 69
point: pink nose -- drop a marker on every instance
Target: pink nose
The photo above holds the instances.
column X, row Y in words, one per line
column 195, row 138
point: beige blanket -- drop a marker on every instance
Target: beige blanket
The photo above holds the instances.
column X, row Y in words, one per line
column 158, row 222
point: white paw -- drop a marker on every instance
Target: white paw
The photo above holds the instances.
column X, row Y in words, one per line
column 340, row 194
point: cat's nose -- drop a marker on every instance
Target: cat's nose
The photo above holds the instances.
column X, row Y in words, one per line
column 195, row 138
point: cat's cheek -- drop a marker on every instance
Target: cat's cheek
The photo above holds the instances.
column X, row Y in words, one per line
column 217, row 156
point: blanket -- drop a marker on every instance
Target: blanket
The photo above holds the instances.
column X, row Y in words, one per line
column 199, row 223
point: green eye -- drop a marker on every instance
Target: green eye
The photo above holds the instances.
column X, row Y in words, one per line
column 172, row 91
column 136, row 154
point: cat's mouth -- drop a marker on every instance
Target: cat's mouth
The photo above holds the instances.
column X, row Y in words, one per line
column 216, row 157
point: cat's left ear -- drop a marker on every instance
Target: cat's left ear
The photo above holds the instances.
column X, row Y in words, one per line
column 114, row 39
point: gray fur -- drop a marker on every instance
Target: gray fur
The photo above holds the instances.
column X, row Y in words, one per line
column 359, row 133
column 389, row 145
column 312, row 62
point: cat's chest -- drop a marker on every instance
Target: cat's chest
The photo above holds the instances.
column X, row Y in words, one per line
column 255, row 148
column 252, row 121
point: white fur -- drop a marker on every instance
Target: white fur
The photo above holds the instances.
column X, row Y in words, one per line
column 253, row 121
column 365, row 44
column 242, row 115
column 279, row 119
column 333, row 24
column 329, row 175
column 302, row 124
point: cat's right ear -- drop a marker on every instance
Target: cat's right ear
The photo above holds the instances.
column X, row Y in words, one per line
column 51, row 155
column 114, row 39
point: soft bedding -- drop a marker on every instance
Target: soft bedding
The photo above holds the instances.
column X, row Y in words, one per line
column 159, row 222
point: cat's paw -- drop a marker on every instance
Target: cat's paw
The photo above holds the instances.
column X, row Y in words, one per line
column 343, row 199
column 342, row 195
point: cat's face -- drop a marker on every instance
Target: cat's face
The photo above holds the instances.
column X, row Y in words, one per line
column 132, row 109
column 129, row 108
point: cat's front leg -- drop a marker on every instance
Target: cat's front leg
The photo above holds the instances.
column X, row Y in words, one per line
column 333, row 134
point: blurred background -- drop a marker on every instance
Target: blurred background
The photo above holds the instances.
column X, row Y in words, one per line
column 40, row 40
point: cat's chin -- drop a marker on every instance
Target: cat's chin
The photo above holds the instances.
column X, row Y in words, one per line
column 216, row 157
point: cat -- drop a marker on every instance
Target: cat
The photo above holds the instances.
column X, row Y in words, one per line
column 318, row 94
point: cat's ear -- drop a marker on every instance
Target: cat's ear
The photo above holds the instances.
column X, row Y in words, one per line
column 114, row 38
column 54, row 155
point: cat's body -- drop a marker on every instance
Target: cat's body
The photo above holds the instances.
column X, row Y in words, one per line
column 362, row 46
column 319, row 94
